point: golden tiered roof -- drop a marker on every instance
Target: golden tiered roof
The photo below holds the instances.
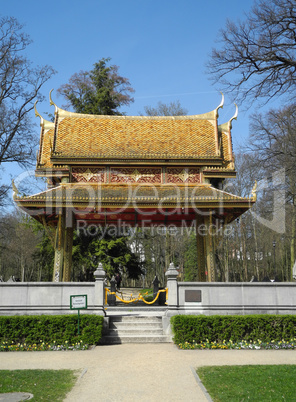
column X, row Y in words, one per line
column 89, row 138
column 145, row 195
column 90, row 201
column 96, row 163
column 135, row 137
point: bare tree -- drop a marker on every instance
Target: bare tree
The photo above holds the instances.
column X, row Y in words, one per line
column 4, row 188
column 20, row 85
column 163, row 109
column 257, row 58
column 273, row 139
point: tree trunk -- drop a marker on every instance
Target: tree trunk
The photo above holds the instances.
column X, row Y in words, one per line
column 256, row 253
column 292, row 244
column 226, row 260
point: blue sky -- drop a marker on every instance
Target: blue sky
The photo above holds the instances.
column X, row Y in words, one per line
column 160, row 45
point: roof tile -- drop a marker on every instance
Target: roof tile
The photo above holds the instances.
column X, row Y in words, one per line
column 106, row 137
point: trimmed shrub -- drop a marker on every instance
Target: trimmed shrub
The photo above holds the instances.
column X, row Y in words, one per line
column 50, row 328
column 217, row 328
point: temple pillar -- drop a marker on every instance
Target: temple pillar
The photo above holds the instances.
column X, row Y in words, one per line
column 68, row 245
column 59, row 248
column 205, row 248
column 209, row 249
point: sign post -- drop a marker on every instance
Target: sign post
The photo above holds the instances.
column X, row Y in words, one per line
column 78, row 302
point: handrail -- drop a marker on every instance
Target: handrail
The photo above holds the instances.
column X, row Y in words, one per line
column 136, row 299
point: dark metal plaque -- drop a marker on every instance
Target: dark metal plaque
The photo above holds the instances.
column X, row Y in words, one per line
column 192, row 295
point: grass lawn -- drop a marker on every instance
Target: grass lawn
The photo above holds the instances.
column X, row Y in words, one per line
column 47, row 385
column 252, row 383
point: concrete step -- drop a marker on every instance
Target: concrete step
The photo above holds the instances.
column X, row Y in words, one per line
column 112, row 340
column 135, row 310
column 135, row 319
column 135, row 329
column 121, row 326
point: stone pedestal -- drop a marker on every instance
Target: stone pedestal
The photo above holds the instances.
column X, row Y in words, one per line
column 99, row 275
column 172, row 286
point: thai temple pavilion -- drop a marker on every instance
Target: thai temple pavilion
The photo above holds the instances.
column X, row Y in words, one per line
column 134, row 171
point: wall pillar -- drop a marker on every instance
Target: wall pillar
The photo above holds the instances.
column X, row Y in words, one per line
column 99, row 275
column 172, row 285
column 59, row 248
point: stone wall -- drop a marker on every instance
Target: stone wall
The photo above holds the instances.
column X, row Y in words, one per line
column 34, row 298
column 183, row 297
column 236, row 298
column 227, row 298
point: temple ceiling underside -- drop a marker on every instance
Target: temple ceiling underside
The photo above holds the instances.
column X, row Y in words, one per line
column 135, row 203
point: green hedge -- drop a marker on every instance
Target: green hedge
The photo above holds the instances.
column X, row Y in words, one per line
column 49, row 328
column 187, row 328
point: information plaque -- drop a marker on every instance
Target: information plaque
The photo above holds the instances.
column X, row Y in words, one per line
column 78, row 302
column 192, row 296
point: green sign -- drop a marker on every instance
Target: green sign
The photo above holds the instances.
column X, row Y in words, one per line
column 78, row 302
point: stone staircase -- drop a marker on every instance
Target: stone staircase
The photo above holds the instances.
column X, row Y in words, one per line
column 135, row 329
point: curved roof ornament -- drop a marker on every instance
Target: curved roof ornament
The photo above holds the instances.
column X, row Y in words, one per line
column 15, row 189
column 254, row 192
column 43, row 123
column 234, row 117
column 222, row 101
column 37, row 114
column 221, row 104
column 51, row 102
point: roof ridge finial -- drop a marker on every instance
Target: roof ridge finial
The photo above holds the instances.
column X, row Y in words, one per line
column 234, row 117
column 37, row 114
column 254, row 191
column 51, row 102
column 222, row 102
column 15, row 189
column 46, row 124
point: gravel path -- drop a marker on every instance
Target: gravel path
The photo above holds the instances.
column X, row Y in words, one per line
column 139, row 372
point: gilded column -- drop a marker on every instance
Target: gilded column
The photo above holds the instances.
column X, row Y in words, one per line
column 68, row 254
column 209, row 249
column 59, row 248
column 68, row 245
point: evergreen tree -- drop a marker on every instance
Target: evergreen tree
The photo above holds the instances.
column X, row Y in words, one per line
column 112, row 251
column 101, row 91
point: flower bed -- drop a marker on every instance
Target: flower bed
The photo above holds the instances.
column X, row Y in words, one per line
column 42, row 346
column 240, row 345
